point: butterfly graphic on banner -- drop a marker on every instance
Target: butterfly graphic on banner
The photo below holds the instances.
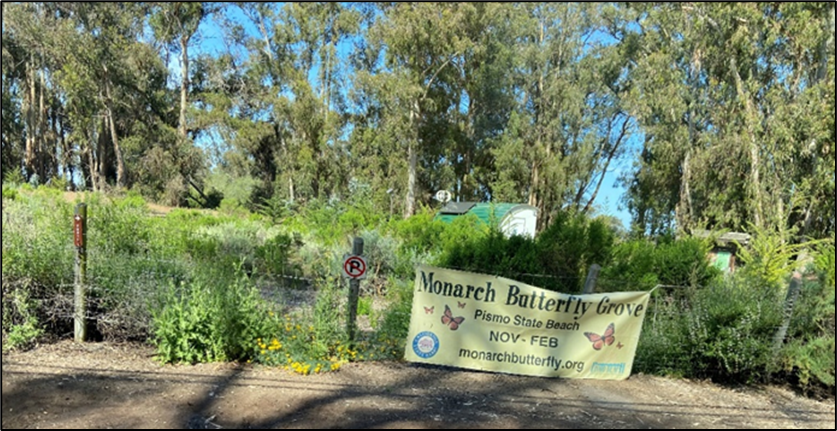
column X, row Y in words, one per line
column 451, row 321
column 429, row 310
column 460, row 304
column 605, row 339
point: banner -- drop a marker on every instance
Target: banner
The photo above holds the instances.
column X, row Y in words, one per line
column 490, row 323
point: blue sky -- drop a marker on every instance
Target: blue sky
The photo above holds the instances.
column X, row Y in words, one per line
column 210, row 40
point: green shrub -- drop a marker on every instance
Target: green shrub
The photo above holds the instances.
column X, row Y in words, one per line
column 559, row 257
column 808, row 353
column 20, row 317
column 771, row 254
column 13, row 177
column 723, row 331
column 364, row 306
column 395, row 322
column 273, row 255
column 9, row 191
column 641, row 265
column 824, row 262
column 308, row 344
column 37, row 240
column 208, row 320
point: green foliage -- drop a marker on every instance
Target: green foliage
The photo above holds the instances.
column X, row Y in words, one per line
column 13, row 177
column 9, row 192
column 395, row 322
column 563, row 252
column 824, row 262
column 179, row 281
column 810, row 362
column 207, row 320
column 308, row 344
column 236, row 190
column 20, row 317
column 640, row 265
column 364, row 306
column 771, row 254
column 332, row 222
column 723, row 331
column 770, row 161
column 808, row 354
column 37, row 235
column 58, row 183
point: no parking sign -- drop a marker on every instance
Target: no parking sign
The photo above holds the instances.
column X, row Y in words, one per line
column 354, row 267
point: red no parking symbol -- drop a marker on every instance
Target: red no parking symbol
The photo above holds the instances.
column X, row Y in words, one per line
column 354, row 267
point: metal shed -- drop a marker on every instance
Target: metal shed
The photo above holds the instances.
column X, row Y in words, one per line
column 723, row 255
column 513, row 219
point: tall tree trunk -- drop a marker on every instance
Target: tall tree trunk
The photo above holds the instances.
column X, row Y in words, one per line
column 120, row 162
column 533, row 193
column 29, row 103
column 684, row 213
column 92, row 168
column 537, row 192
column 285, row 153
column 42, row 129
column 184, row 84
column 91, row 173
column 103, row 159
column 117, row 151
column 683, row 210
column 412, row 158
column 755, row 163
column 66, row 152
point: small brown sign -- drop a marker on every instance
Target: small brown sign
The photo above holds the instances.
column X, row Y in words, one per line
column 78, row 234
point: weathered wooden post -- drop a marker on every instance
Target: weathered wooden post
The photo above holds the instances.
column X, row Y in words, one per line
column 592, row 276
column 790, row 299
column 354, row 267
column 80, row 300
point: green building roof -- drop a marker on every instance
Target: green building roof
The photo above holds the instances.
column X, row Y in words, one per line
column 481, row 210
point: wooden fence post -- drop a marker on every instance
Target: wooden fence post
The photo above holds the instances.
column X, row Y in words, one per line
column 790, row 299
column 80, row 297
column 592, row 276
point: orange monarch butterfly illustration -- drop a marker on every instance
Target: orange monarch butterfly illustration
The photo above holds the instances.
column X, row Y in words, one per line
column 460, row 304
column 429, row 310
column 451, row 321
column 600, row 341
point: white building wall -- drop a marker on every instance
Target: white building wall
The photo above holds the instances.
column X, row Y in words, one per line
column 520, row 222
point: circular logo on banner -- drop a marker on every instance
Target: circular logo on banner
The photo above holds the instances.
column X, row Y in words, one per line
column 426, row 344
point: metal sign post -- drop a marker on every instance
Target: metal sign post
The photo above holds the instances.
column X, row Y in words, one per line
column 80, row 297
column 354, row 267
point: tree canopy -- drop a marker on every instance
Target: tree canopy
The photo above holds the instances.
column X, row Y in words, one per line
column 724, row 111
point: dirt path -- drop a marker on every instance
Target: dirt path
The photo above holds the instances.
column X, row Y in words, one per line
column 108, row 385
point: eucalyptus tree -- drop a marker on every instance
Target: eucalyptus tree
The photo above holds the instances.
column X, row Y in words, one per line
column 27, row 66
column 422, row 44
column 571, row 121
column 12, row 74
column 287, row 113
column 485, row 95
column 737, row 108
column 176, row 24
